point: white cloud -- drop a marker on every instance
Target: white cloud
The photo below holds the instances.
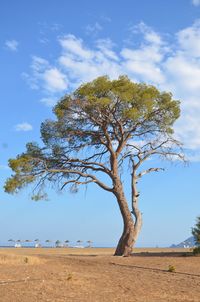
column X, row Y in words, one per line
column 170, row 62
column 39, row 64
column 72, row 45
column 12, row 45
column 149, row 35
column 44, row 76
column 23, row 127
column 189, row 40
column 81, row 63
column 196, row 2
column 105, row 46
column 143, row 63
column 54, row 80
column 182, row 70
column 184, row 73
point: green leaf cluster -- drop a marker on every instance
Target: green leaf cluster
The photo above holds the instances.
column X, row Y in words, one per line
column 25, row 167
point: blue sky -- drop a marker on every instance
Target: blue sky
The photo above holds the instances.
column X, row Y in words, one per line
column 48, row 48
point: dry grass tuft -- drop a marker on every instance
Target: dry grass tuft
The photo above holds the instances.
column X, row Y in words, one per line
column 69, row 277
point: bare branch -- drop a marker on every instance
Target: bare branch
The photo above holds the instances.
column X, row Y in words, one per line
column 87, row 164
column 149, row 171
column 85, row 175
column 76, row 182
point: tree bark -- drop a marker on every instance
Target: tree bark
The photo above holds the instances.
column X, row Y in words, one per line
column 132, row 227
column 125, row 244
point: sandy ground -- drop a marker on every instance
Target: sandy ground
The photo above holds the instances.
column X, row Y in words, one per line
column 38, row 275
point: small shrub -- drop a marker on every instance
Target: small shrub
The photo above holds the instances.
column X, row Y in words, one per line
column 196, row 251
column 171, row 269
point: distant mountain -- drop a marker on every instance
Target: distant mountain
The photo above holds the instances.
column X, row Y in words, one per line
column 189, row 242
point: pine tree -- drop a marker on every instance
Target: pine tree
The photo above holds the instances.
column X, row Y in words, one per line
column 102, row 126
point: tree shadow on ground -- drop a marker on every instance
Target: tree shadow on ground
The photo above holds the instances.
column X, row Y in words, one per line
column 162, row 254
column 153, row 269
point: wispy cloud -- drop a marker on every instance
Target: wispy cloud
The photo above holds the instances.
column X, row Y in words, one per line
column 93, row 28
column 196, row 2
column 56, row 26
column 81, row 63
column 105, row 18
column 74, row 46
column 23, row 127
column 169, row 62
column 44, row 40
column 46, row 77
column 12, row 45
column 149, row 35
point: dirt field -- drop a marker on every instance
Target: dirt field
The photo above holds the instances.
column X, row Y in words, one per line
column 38, row 275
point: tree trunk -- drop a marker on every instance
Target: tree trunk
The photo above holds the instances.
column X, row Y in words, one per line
column 131, row 227
column 125, row 244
